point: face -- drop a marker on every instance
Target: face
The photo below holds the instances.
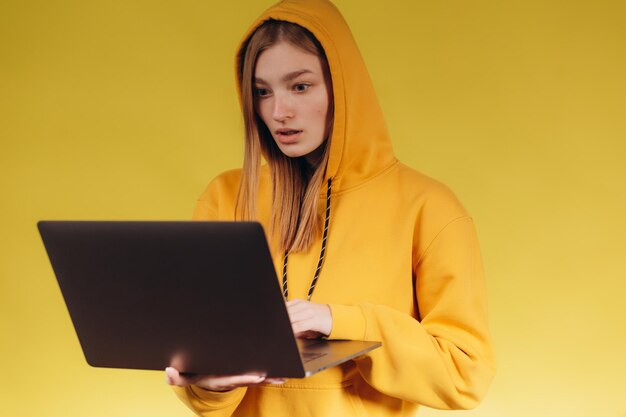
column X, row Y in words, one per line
column 291, row 97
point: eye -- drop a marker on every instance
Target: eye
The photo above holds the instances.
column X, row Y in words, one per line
column 261, row 92
column 301, row 87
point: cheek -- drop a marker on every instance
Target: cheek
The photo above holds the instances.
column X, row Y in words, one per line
column 321, row 107
column 322, row 114
column 324, row 104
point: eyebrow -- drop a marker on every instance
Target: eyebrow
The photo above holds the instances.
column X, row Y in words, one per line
column 287, row 77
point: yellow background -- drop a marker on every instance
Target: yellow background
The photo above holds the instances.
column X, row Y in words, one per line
column 125, row 109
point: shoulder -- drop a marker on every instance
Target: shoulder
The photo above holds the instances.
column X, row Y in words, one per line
column 431, row 196
column 218, row 200
column 436, row 212
column 223, row 181
column 218, row 197
column 227, row 183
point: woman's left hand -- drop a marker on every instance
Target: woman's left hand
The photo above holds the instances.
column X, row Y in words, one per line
column 309, row 320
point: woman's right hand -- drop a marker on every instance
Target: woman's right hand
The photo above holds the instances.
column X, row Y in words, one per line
column 216, row 383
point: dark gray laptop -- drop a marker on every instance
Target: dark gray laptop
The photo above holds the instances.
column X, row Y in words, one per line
column 202, row 297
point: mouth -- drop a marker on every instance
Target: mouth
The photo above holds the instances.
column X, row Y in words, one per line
column 287, row 135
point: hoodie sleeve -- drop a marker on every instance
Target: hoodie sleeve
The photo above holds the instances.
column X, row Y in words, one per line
column 443, row 360
column 208, row 403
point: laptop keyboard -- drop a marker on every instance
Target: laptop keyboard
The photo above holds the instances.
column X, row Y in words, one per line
column 309, row 356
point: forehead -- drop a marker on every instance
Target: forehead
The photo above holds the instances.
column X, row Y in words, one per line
column 284, row 58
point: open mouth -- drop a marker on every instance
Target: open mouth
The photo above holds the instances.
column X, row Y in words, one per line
column 287, row 133
column 288, row 136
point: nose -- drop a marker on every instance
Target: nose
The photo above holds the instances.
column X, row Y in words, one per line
column 283, row 107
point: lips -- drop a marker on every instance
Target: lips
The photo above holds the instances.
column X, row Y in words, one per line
column 287, row 132
column 286, row 135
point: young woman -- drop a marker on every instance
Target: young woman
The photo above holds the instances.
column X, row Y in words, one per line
column 369, row 248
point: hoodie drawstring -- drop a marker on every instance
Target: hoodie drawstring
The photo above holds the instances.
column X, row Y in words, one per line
column 320, row 262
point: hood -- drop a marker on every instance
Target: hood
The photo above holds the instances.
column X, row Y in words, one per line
column 360, row 144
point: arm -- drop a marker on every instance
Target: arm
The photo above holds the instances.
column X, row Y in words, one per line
column 213, row 395
column 445, row 359
column 209, row 403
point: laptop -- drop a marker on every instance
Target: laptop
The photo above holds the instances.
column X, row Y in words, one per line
column 202, row 297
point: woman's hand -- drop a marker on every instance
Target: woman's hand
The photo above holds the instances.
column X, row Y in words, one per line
column 216, row 383
column 309, row 320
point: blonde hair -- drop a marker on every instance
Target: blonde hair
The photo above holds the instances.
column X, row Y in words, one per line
column 295, row 219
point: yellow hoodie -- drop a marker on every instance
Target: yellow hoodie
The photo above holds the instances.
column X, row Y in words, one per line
column 402, row 265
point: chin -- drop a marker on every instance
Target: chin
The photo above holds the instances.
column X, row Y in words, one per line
column 293, row 153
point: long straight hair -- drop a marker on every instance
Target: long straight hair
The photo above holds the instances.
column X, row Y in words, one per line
column 295, row 219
